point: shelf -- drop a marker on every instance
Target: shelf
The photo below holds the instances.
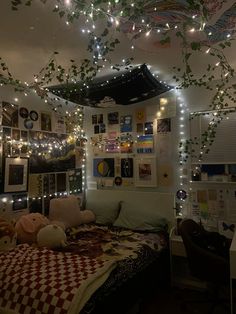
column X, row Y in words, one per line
column 215, row 182
column 214, row 163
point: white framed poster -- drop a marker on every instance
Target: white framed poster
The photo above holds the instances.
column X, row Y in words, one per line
column 145, row 172
column 16, row 174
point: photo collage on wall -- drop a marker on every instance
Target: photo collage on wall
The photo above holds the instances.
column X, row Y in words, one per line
column 127, row 153
column 39, row 141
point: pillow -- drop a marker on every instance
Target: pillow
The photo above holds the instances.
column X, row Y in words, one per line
column 105, row 212
column 66, row 210
column 140, row 218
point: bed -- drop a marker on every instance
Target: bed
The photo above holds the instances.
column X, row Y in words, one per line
column 101, row 266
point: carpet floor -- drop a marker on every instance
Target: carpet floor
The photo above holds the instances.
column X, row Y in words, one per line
column 180, row 301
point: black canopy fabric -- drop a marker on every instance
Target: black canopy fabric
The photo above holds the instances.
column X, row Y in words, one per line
column 129, row 87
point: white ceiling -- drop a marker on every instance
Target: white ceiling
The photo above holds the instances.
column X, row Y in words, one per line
column 29, row 37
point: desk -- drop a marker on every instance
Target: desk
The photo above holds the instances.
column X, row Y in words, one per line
column 232, row 255
column 180, row 274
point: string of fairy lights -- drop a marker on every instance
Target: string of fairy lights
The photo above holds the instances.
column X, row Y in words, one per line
column 115, row 16
column 44, row 146
column 184, row 189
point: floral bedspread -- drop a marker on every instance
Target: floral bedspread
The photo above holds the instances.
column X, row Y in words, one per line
column 109, row 242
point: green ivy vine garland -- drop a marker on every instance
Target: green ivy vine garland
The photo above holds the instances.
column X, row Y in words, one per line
column 223, row 92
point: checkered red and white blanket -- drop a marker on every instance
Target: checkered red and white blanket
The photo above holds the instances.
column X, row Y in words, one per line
column 34, row 280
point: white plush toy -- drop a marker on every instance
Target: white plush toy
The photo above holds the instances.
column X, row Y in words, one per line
column 51, row 236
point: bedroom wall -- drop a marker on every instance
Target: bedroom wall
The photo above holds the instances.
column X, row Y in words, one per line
column 36, row 139
column 164, row 153
column 165, row 150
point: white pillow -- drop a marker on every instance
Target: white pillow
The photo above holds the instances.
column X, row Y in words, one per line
column 142, row 217
column 105, row 212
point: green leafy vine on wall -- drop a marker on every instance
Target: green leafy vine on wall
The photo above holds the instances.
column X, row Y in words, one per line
column 218, row 69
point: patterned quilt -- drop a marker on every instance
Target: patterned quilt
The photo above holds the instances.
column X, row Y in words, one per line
column 39, row 280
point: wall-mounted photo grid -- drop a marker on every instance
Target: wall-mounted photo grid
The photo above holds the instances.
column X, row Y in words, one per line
column 37, row 154
column 130, row 142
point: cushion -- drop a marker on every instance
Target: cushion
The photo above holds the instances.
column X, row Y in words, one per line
column 140, row 218
column 105, row 212
column 66, row 210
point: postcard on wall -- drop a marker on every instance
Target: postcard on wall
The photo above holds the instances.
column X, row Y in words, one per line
column 126, row 147
column 94, row 119
column 112, row 146
column 15, row 150
column 112, row 135
column 102, row 128
column 163, row 125
column 61, row 182
column 113, row 117
column 49, row 184
column 96, row 129
column 195, row 211
column 126, row 167
column 148, row 128
column 126, row 123
column 145, row 172
column 145, row 144
column 46, row 121
column 204, row 212
column 75, row 180
column 6, row 134
column 10, row 115
column 140, row 115
column 15, row 134
column 139, row 128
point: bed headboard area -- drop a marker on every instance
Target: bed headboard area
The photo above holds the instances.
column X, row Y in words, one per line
column 141, row 203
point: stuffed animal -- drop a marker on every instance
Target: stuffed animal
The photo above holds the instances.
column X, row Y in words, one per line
column 7, row 236
column 66, row 210
column 28, row 226
column 51, row 236
column 87, row 216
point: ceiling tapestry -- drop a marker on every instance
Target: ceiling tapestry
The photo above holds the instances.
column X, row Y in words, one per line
column 168, row 13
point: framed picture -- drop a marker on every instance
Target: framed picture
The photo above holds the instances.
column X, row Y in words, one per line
column 145, row 172
column 103, row 167
column 46, row 123
column 16, row 175
column 145, row 144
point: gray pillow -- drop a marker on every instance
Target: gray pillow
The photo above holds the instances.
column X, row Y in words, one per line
column 144, row 218
column 105, row 212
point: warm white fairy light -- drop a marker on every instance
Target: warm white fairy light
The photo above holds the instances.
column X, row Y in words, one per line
column 182, row 177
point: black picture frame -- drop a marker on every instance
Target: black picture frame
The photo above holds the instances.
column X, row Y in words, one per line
column 16, row 174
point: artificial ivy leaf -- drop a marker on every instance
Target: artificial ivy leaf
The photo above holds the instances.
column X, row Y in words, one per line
column 195, row 45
